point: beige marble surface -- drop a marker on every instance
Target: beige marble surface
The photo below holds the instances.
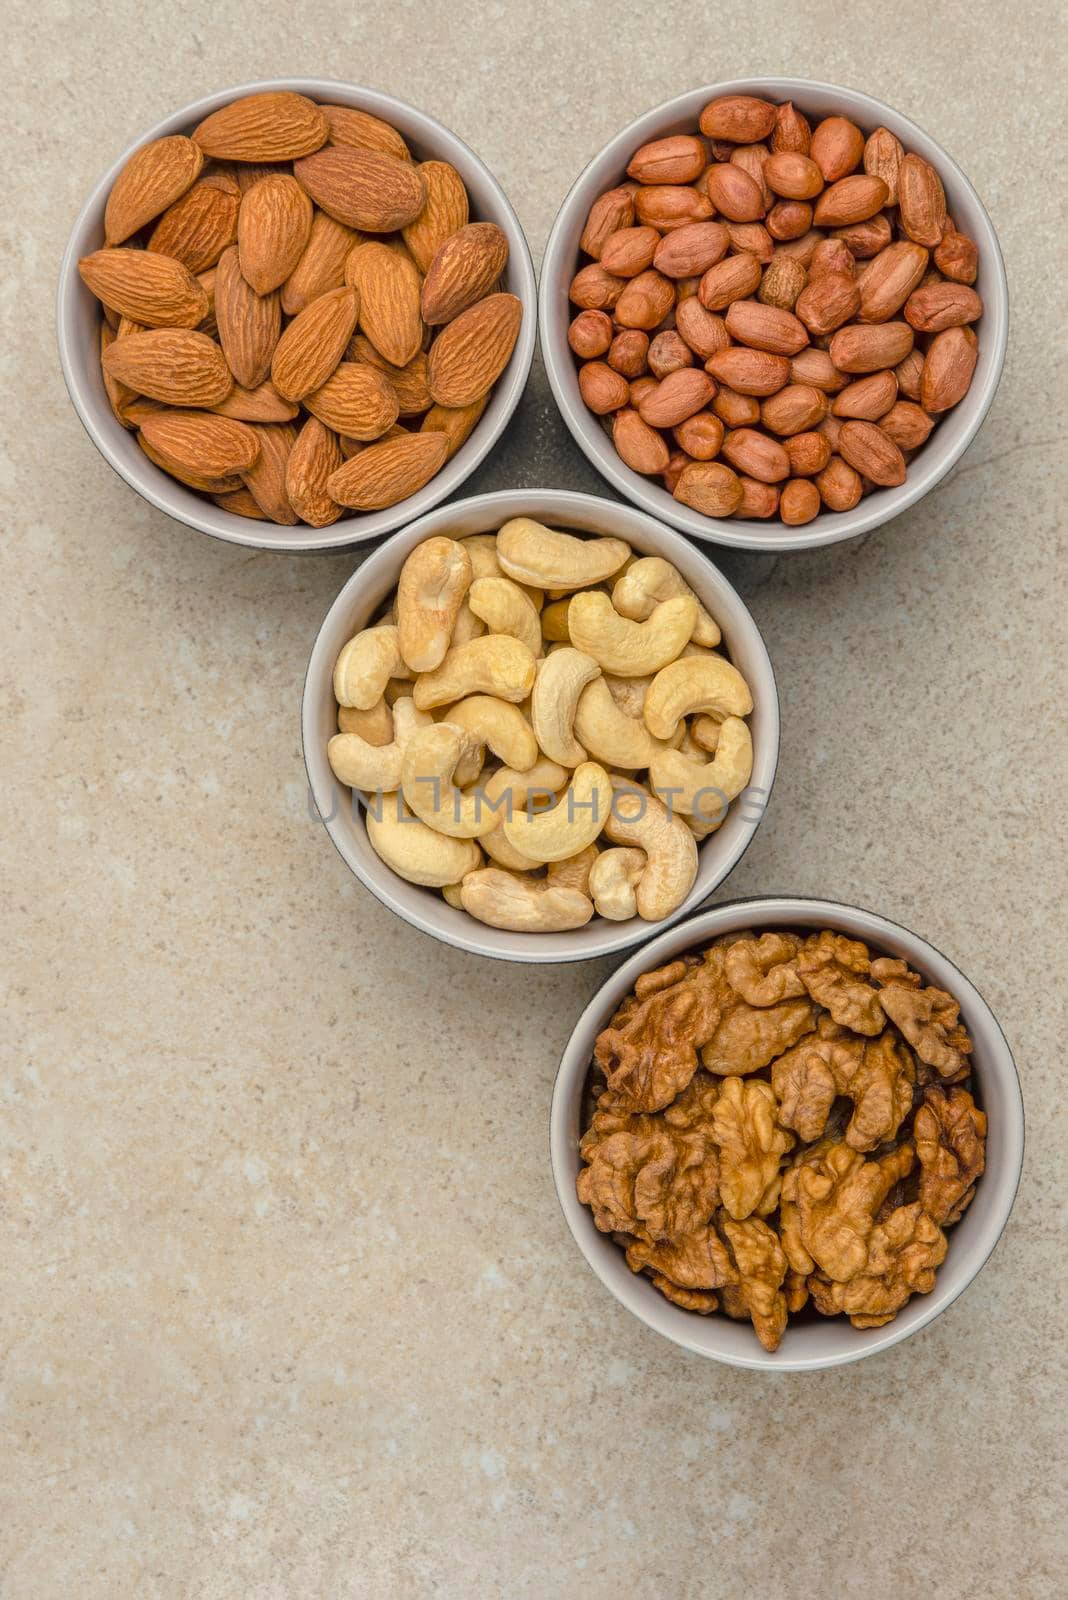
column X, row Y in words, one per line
column 287, row 1306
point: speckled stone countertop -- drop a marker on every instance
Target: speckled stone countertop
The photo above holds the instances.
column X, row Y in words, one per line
column 287, row 1306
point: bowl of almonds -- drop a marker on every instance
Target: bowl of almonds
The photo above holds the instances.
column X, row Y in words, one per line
column 773, row 313
column 296, row 314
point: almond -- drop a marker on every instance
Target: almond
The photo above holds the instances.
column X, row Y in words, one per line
column 314, row 343
column 362, row 131
column 709, row 487
column 313, row 460
column 472, row 351
column 735, row 278
column 389, row 286
column 629, row 251
column 689, row 251
column 791, row 130
column 276, row 126
column 273, row 228
column 645, row 301
column 191, row 478
column 356, row 399
column 864, row 347
column 247, row 173
column 464, row 269
column 266, row 478
column 942, row 305
column 839, row 486
column 752, row 372
column 837, row 147
column 907, row 424
column 956, row 257
column 602, row 390
column 756, row 455
column 869, row 398
column 322, row 264
column 262, row 404
column 808, row 453
column 704, row 332
column 815, row 367
column 733, row 192
column 921, row 201
column 680, row 158
column 677, row 397
column 595, row 289
column 666, row 206
column 639, row 447
column 742, row 118
column 119, row 397
column 387, row 472
column 363, row 188
column 889, row 279
column 443, row 213
column 249, row 324
column 795, row 409
column 872, row 453
column 850, row 200
column 196, row 229
column 197, row 441
column 883, row 154
column 781, row 284
column 794, row 176
column 456, row 423
column 866, row 239
column 590, row 334
column 240, row 503
column 150, row 289
column 408, row 382
column 175, row 365
column 701, row 435
column 826, row 302
column 154, row 178
column 947, row 369
column 764, row 327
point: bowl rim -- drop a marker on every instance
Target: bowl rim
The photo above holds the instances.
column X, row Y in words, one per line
column 152, row 484
column 771, row 911
column 602, row 937
column 827, row 528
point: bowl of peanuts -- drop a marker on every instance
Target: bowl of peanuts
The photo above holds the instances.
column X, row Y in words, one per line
column 773, row 313
column 538, row 725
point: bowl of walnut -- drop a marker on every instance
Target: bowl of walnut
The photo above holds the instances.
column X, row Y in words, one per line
column 296, row 314
column 787, row 1133
column 773, row 313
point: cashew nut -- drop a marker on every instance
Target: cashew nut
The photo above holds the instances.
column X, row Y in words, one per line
column 706, row 789
column 646, row 582
column 414, row 851
column 498, row 849
column 493, row 664
column 366, row 665
column 427, row 770
column 467, row 626
column 671, row 868
column 451, row 895
column 537, row 785
column 696, row 683
column 525, row 905
column 705, row 732
column 554, row 622
column 562, row 676
column 504, row 608
column 433, row 582
column 532, row 553
column 363, row 765
column 499, row 724
column 614, row 877
column 569, row 826
column 482, row 548
column 374, row 725
column 609, row 734
column 574, row 873
column 628, row 648
column 628, row 693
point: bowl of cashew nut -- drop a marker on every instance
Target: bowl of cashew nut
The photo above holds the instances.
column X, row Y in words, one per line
column 538, row 724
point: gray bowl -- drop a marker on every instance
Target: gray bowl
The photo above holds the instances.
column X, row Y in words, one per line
column 949, row 440
column 368, row 589
column 832, row 1341
column 78, row 319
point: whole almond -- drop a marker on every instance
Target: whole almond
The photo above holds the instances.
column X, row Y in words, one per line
column 733, row 192
column 389, row 287
column 909, row 374
column 314, row 343
column 594, row 289
column 781, row 284
column 709, row 487
column 247, row 173
column 196, row 229
column 866, row 239
column 883, row 153
column 839, row 486
column 678, row 396
column 363, row 188
column 760, row 500
column 850, row 200
column 752, row 372
column 471, row 352
column 792, row 175
column 408, row 383
column 276, row 126
column 362, row 131
column 741, row 118
column 590, row 334
column 704, row 332
column 735, row 410
column 756, row 455
column 174, row 365
column 947, row 369
column 456, row 423
column 628, row 353
column 868, row 398
column 942, row 305
column 249, row 323
column 701, row 435
column 639, row 447
column 262, row 404
column 679, row 158
column 765, row 327
column 837, row 147
column 795, row 409
column 826, row 302
column 388, row 472
column 921, row 201
column 907, row 424
column 602, row 389
column 789, row 219
column 465, row 268
column 689, row 251
column 322, row 264
column 889, row 279
column 154, row 178
column 266, row 478
column 815, row 367
column 192, row 478
column 273, row 228
column 240, row 503
column 153, row 290
column 668, row 353
column 735, row 278
column 118, row 394
column 872, row 453
column 629, row 251
column 866, row 347
column 609, row 212
column 957, row 258
column 313, row 460
column 197, row 441
column 645, row 301
column 791, row 130
column 445, row 210
column 667, row 206
column 808, row 453
column 751, row 238
column 356, row 399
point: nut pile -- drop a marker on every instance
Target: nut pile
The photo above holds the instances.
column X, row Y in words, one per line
column 774, row 316
column 555, row 704
column 779, row 1119
column 299, row 318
